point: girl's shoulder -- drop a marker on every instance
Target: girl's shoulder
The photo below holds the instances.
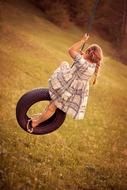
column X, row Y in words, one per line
column 80, row 57
column 82, row 63
column 77, row 57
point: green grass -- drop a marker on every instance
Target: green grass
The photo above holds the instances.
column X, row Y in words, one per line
column 89, row 154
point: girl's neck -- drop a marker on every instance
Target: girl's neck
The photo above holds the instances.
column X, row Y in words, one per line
column 87, row 58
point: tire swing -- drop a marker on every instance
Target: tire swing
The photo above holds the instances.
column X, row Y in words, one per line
column 30, row 98
column 41, row 94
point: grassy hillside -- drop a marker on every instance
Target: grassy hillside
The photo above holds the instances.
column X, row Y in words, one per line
column 89, row 154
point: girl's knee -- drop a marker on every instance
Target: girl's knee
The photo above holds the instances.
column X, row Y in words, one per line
column 52, row 107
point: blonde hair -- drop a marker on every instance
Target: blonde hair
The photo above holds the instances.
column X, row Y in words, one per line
column 95, row 55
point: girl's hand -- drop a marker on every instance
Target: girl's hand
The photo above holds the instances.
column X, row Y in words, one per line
column 85, row 37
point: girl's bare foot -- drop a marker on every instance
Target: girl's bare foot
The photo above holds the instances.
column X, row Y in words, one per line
column 34, row 123
column 40, row 117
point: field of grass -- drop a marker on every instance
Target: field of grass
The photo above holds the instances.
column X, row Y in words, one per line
column 88, row 154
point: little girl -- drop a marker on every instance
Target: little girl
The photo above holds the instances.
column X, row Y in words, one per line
column 69, row 86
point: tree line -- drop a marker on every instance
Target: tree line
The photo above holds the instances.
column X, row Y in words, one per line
column 110, row 19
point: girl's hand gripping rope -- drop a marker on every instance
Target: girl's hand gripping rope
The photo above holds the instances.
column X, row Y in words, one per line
column 85, row 37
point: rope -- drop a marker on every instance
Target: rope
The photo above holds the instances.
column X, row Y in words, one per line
column 91, row 19
column 90, row 22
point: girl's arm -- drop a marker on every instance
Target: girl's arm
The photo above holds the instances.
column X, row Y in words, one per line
column 74, row 49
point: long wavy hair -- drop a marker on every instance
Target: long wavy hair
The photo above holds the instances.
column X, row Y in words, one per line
column 95, row 55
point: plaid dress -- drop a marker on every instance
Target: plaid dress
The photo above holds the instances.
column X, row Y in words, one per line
column 69, row 86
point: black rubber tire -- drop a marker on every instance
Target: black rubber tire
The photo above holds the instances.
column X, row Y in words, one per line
column 30, row 98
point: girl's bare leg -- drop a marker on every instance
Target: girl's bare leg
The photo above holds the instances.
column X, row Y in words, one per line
column 50, row 109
